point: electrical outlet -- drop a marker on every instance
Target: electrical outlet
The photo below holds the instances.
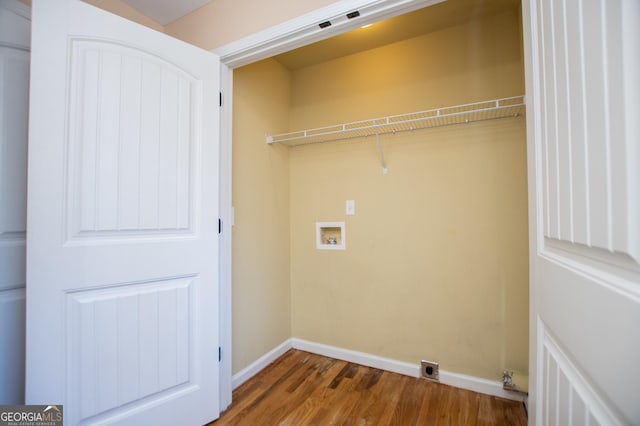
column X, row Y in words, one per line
column 430, row 370
column 350, row 208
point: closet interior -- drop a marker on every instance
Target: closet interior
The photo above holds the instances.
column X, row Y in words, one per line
column 425, row 134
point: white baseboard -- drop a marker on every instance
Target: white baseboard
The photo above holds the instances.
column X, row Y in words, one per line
column 358, row 357
column 479, row 385
column 462, row 381
column 254, row 368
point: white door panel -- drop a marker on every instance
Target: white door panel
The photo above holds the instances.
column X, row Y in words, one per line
column 584, row 183
column 123, row 204
column 12, row 324
column 14, row 96
column 141, row 185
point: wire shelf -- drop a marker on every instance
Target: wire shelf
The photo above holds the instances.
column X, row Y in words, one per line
column 447, row 116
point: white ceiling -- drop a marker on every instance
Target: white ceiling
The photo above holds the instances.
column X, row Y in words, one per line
column 166, row 11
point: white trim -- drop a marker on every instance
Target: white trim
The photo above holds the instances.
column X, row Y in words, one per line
column 534, row 181
column 304, row 29
column 578, row 383
column 225, row 242
column 356, row 357
column 463, row 381
column 480, row 385
column 255, row 367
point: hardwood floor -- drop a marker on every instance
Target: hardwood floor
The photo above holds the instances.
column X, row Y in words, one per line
column 301, row 388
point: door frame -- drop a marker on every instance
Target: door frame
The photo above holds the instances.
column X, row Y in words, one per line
column 280, row 38
column 17, row 37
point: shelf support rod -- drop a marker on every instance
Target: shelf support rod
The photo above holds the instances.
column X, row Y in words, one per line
column 381, row 151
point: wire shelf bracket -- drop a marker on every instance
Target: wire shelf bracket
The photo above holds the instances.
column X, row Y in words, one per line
column 446, row 116
column 514, row 106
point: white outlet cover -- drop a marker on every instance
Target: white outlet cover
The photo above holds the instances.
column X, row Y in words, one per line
column 350, row 208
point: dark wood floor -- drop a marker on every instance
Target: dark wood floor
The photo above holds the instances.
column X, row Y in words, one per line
column 301, row 388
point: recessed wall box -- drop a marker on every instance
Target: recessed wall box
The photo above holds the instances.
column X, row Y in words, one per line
column 430, row 370
column 330, row 236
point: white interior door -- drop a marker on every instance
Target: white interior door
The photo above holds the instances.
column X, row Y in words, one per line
column 14, row 100
column 122, row 244
column 583, row 119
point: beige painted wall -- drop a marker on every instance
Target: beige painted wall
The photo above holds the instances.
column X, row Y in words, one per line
column 223, row 21
column 473, row 62
column 261, row 264
column 436, row 265
column 118, row 7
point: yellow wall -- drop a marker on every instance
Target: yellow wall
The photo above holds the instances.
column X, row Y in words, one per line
column 436, row 259
column 477, row 61
column 436, row 265
column 261, row 285
column 223, row 21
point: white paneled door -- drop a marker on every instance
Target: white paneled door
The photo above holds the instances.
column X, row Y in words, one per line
column 122, row 244
column 583, row 98
column 14, row 94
